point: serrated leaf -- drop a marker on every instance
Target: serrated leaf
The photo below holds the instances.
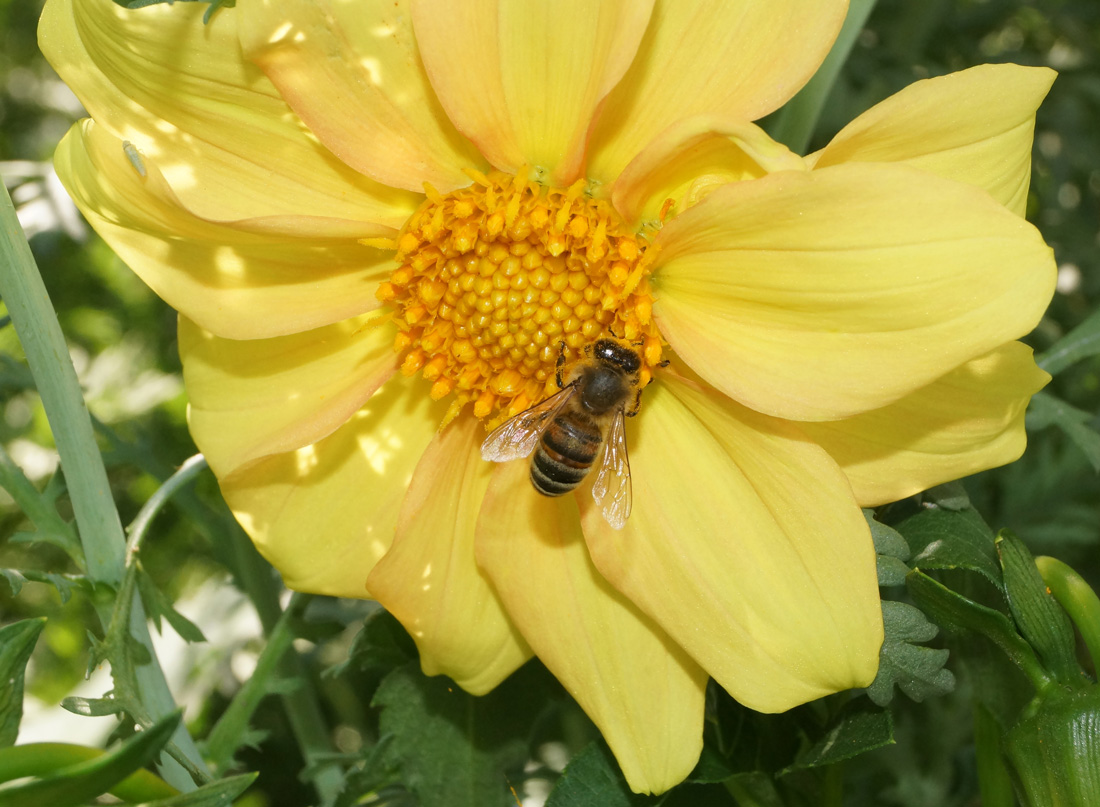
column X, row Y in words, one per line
column 214, row 794
column 1047, row 410
column 593, row 779
column 40, row 510
column 16, row 644
column 891, row 552
column 1080, row 343
column 91, row 707
column 454, row 749
column 917, row 671
column 381, row 645
column 952, row 539
column 85, row 781
column 64, row 583
column 157, row 605
column 371, row 775
column 860, row 727
column 1038, row 615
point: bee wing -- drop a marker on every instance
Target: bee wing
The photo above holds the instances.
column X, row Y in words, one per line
column 518, row 436
column 611, row 490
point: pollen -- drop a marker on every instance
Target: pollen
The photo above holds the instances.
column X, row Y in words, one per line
column 496, row 281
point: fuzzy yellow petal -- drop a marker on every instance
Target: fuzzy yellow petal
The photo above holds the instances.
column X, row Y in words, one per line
column 745, row 544
column 969, row 420
column 178, row 90
column 637, row 685
column 253, row 398
column 523, row 80
column 815, row 296
column 689, row 160
column 236, row 284
column 353, row 73
column 429, row 579
column 974, row 126
column 323, row 515
column 735, row 59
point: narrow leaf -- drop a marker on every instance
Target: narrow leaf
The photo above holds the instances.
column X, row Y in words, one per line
column 91, row 707
column 16, row 643
column 1080, row 343
column 215, row 794
column 1047, row 410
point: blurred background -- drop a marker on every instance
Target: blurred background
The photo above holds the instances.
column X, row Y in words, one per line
column 123, row 342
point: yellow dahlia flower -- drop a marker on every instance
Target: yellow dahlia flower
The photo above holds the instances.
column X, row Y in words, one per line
column 312, row 183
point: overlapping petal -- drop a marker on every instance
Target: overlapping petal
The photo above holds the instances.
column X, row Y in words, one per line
column 523, row 80
column 974, row 126
column 690, row 159
column 638, row 686
column 754, row 556
column 735, row 59
column 236, row 284
column 228, row 145
column 815, row 296
column 352, row 71
column 429, row 579
column 253, row 398
column 967, row 421
column 326, row 513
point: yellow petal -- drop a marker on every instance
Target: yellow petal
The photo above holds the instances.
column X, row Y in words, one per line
column 523, row 80
column 735, row 59
column 969, row 420
column 429, row 579
column 973, row 126
column 689, row 160
column 637, row 685
column 814, row 296
column 353, row 74
column 258, row 397
column 236, row 284
column 231, row 149
column 325, row 514
column 746, row 546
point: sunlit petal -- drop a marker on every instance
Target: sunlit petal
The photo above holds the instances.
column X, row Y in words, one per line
column 325, row 514
column 967, row 421
column 754, row 554
column 635, row 683
column 973, row 126
column 228, row 145
column 258, row 397
column 236, row 284
column 429, row 579
column 352, row 71
column 814, row 296
column 735, row 59
column 523, row 80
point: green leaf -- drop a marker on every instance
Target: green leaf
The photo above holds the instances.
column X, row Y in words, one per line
column 42, row 759
column 755, row 789
column 85, row 781
column 949, row 496
column 380, row 646
column 917, row 671
column 454, row 749
column 215, row 794
column 91, row 707
column 593, row 779
column 1039, row 617
column 891, row 550
column 16, row 643
column 40, row 509
column 375, row 772
column 64, row 583
column 860, row 727
column 1047, row 410
column 157, row 605
column 952, row 539
column 1080, row 343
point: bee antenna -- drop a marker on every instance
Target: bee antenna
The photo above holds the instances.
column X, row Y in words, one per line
column 612, row 332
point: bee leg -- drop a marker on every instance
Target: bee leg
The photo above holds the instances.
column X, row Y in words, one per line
column 664, row 363
column 560, row 366
column 636, row 405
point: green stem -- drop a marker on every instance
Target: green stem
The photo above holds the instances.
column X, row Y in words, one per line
column 42, row 759
column 1077, row 598
column 993, row 779
column 794, row 124
column 97, row 520
column 227, row 735
column 140, row 525
column 833, row 788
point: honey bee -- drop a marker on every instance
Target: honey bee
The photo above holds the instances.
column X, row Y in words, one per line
column 563, row 434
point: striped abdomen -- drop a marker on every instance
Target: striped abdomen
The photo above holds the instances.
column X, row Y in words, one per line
column 565, row 453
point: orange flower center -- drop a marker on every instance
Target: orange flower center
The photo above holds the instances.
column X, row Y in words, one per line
column 497, row 280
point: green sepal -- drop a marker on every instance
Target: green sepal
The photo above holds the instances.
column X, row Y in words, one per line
column 16, row 644
column 1039, row 617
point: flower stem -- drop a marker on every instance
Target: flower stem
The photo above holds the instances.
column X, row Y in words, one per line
column 1077, row 598
column 993, row 779
column 97, row 519
column 794, row 124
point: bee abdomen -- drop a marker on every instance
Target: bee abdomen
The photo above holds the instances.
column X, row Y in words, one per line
column 563, row 457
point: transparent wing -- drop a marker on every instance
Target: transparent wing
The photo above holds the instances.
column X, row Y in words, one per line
column 611, row 490
column 518, row 436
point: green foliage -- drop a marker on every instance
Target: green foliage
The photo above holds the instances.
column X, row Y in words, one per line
column 16, row 643
column 593, row 779
column 1048, row 410
column 916, row 671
